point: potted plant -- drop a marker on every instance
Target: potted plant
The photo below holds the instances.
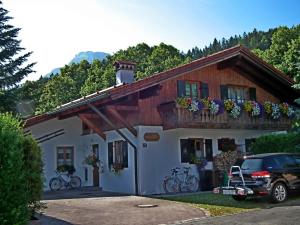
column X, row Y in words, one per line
column 92, row 160
column 70, row 169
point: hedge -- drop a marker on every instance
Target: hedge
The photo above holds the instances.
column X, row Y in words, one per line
column 34, row 169
column 277, row 143
column 13, row 194
column 20, row 173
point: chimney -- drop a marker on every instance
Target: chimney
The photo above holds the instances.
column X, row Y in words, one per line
column 124, row 72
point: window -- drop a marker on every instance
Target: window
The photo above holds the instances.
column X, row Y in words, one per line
column 248, row 143
column 226, row 144
column 191, row 90
column 285, row 161
column 118, row 154
column 65, row 156
column 196, row 148
column 237, row 93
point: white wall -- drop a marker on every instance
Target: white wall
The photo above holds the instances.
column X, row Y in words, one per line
column 155, row 160
column 158, row 158
column 83, row 147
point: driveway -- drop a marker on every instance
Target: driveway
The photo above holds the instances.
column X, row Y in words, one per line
column 113, row 210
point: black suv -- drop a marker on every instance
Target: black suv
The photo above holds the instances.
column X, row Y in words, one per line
column 272, row 174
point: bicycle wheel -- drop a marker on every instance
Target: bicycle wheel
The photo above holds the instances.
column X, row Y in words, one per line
column 171, row 185
column 192, row 183
column 75, row 182
column 55, row 184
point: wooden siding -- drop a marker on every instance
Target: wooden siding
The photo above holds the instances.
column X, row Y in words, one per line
column 148, row 107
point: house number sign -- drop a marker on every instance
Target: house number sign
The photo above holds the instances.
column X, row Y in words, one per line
column 151, row 137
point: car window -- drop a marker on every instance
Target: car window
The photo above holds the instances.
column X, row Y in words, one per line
column 297, row 158
column 285, row 161
column 270, row 163
column 252, row 164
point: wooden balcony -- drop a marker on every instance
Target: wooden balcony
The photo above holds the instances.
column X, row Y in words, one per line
column 174, row 116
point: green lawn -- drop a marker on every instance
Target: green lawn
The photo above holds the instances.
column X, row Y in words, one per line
column 219, row 205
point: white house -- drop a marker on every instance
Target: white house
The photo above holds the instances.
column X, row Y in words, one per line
column 140, row 129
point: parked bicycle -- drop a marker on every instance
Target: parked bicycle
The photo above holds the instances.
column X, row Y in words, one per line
column 181, row 182
column 64, row 180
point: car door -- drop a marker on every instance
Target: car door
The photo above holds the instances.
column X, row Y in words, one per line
column 297, row 171
column 289, row 170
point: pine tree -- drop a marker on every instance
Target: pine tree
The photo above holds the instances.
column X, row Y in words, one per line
column 12, row 68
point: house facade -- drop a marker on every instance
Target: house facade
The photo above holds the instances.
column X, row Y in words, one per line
column 140, row 130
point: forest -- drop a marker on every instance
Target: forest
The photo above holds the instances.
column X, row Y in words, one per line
column 279, row 46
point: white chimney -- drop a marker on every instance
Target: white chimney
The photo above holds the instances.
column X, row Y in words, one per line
column 124, row 72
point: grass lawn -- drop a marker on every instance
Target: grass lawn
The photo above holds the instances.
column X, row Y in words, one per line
column 219, row 205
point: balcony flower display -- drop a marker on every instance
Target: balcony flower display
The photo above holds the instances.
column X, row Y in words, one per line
column 272, row 110
column 184, row 102
column 195, row 106
column 287, row 110
column 233, row 108
column 214, row 105
column 253, row 108
column 275, row 111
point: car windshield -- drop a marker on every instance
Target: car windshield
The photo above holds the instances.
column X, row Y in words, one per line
column 252, row 164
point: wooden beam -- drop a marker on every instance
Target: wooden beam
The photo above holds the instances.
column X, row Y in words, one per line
column 104, row 117
column 92, row 126
column 126, row 108
column 112, row 111
column 90, row 115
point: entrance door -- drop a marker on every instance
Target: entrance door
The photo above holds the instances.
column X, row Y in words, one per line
column 96, row 176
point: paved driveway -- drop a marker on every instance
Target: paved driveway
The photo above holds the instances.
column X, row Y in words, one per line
column 115, row 210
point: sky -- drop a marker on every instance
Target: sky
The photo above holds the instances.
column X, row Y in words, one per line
column 56, row 30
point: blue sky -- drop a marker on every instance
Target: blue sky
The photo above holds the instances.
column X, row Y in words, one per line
column 55, row 30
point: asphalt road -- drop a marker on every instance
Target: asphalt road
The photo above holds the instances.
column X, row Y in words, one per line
column 286, row 215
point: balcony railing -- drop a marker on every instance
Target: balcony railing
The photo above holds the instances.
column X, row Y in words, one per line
column 174, row 116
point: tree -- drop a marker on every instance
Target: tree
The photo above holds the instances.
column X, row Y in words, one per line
column 95, row 79
column 59, row 90
column 12, row 63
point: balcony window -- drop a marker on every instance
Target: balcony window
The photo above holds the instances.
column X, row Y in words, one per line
column 239, row 94
column 191, row 90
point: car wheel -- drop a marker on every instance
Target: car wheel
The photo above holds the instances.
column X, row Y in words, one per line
column 239, row 197
column 279, row 193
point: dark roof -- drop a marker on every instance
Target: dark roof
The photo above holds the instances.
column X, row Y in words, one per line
column 127, row 89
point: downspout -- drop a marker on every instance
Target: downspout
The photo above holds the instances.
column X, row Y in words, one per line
column 100, row 114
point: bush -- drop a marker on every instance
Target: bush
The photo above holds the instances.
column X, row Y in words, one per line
column 33, row 167
column 277, row 143
column 13, row 194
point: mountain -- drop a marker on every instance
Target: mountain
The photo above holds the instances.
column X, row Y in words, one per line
column 90, row 56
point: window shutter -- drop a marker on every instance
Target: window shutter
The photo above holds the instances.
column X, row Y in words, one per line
column 204, row 90
column 224, row 92
column 125, row 153
column 252, row 94
column 180, row 88
column 110, row 154
column 209, row 149
column 184, row 150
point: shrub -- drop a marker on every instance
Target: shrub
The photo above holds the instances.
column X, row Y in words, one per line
column 13, row 195
column 33, row 167
column 277, row 143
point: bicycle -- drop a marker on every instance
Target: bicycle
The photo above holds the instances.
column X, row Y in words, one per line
column 64, row 180
column 180, row 182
